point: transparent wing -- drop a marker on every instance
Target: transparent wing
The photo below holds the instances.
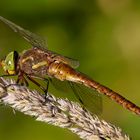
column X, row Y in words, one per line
column 60, row 85
column 37, row 41
column 89, row 98
column 32, row 38
column 70, row 61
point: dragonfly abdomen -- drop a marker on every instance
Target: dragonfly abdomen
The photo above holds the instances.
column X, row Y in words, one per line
column 62, row 71
column 110, row 93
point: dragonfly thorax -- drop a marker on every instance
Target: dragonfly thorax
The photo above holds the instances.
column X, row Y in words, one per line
column 34, row 61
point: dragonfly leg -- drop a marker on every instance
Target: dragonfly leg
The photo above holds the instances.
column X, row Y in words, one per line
column 74, row 90
column 22, row 80
column 46, row 90
column 41, row 87
column 77, row 96
column 8, row 75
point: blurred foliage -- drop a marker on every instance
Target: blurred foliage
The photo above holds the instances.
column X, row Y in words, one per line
column 103, row 35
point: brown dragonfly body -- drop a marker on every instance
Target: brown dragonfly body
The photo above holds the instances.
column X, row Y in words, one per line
column 40, row 62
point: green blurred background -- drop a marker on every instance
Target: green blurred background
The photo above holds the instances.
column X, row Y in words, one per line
column 104, row 35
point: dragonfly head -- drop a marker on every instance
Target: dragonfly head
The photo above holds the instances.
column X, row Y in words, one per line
column 10, row 62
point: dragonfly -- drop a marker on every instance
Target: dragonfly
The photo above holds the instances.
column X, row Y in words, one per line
column 39, row 62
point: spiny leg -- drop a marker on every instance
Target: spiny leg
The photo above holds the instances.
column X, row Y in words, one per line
column 77, row 96
column 41, row 87
column 46, row 80
column 8, row 75
column 74, row 90
column 22, row 80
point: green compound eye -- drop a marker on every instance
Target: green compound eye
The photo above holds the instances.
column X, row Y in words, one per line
column 9, row 63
